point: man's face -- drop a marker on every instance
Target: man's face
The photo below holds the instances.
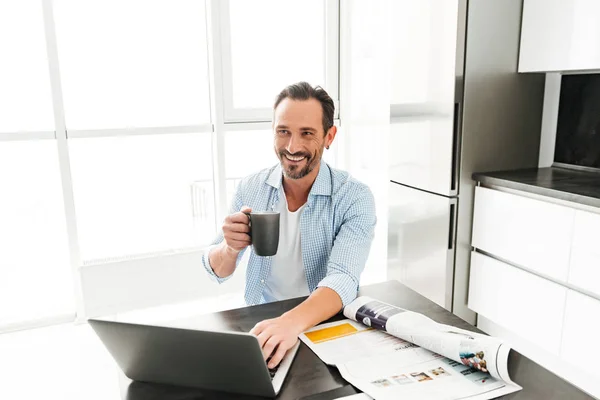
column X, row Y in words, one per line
column 299, row 136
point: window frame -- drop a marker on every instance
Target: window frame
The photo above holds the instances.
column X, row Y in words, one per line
column 232, row 114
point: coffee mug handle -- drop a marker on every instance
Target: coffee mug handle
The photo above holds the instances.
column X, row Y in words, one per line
column 249, row 223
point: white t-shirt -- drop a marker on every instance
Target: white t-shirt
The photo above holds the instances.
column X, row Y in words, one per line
column 287, row 278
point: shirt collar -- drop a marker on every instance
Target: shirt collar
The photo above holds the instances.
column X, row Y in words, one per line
column 321, row 187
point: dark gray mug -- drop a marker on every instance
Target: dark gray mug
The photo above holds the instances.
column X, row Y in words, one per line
column 264, row 232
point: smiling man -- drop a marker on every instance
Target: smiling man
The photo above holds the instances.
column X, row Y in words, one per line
column 326, row 224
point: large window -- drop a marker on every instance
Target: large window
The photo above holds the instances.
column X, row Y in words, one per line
column 127, row 124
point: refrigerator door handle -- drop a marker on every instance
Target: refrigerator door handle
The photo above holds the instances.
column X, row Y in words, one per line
column 455, row 148
column 451, row 227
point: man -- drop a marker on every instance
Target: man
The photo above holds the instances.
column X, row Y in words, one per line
column 326, row 224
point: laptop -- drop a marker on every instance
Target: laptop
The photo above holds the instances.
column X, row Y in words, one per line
column 222, row 361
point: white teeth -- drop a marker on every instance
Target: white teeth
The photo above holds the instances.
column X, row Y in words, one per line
column 294, row 158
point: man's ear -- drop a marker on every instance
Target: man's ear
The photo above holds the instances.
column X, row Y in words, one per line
column 330, row 136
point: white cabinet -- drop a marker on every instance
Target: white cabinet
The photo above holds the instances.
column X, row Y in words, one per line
column 581, row 332
column 584, row 270
column 538, row 303
column 560, row 35
column 530, row 233
column 524, row 303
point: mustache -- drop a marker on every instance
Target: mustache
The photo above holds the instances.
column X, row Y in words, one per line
column 297, row 154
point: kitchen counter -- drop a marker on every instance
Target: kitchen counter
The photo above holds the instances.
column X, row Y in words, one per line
column 581, row 187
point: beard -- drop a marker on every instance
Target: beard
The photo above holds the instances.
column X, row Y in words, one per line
column 305, row 167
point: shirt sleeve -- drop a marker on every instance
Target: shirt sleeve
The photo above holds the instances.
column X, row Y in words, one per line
column 351, row 247
column 236, row 205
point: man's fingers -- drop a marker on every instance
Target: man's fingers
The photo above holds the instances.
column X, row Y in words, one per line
column 239, row 236
column 237, row 218
column 270, row 345
column 241, row 216
column 245, row 209
column 278, row 356
column 258, row 328
column 238, row 227
column 262, row 338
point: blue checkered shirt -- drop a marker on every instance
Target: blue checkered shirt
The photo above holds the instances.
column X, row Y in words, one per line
column 336, row 231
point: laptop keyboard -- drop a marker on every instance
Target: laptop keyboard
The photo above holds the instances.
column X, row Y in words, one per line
column 272, row 371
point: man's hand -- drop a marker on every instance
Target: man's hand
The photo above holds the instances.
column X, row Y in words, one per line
column 276, row 336
column 235, row 231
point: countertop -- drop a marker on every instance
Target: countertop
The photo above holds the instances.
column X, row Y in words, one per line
column 581, row 187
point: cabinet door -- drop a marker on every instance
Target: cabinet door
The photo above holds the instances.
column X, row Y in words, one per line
column 560, row 35
column 421, row 242
column 581, row 332
column 584, row 270
column 530, row 233
column 529, row 306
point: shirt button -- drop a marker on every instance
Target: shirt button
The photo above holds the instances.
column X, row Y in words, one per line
column 262, row 281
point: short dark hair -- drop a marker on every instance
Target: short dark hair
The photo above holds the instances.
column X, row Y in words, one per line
column 303, row 91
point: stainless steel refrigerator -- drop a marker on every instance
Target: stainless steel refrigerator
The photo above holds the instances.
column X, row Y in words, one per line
column 458, row 107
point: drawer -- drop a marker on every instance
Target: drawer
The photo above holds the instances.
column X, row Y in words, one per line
column 523, row 303
column 527, row 232
column 581, row 332
column 584, row 271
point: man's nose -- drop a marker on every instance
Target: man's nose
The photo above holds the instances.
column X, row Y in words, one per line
column 293, row 144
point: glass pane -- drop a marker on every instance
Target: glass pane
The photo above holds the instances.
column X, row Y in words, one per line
column 133, row 62
column 36, row 278
column 142, row 194
column 275, row 43
column 25, row 99
column 424, row 51
column 247, row 152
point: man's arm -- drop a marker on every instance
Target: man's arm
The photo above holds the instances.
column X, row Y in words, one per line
column 347, row 261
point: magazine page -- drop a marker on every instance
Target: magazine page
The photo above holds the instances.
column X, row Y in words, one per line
column 338, row 342
column 384, row 366
column 481, row 352
column 400, row 376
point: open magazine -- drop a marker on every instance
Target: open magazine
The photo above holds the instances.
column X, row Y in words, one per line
column 388, row 352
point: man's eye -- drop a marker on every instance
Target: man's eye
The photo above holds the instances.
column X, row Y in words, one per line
column 307, row 133
column 282, row 132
